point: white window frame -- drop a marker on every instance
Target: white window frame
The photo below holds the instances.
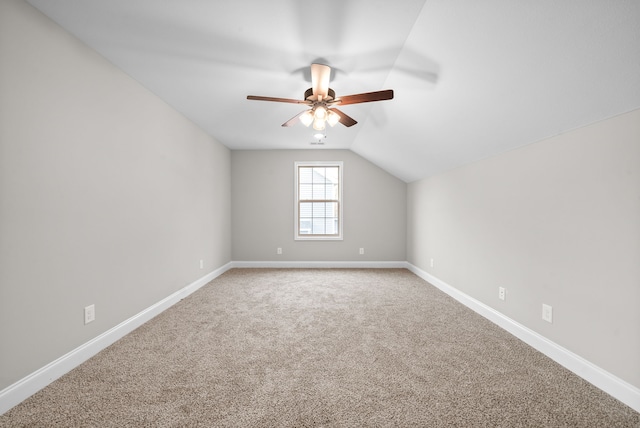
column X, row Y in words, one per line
column 306, row 237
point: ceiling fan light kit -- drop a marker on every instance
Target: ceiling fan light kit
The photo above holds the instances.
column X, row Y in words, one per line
column 321, row 100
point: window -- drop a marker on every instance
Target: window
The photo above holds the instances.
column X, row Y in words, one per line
column 318, row 200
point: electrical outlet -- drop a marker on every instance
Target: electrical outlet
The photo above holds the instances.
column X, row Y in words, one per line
column 278, row 250
column 502, row 293
column 431, row 262
column 547, row 313
column 361, row 250
column 89, row 313
column 201, row 264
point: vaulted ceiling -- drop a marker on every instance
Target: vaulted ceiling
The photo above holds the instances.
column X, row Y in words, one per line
column 471, row 78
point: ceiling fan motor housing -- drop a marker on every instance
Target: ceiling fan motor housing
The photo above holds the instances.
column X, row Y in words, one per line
column 309, row 95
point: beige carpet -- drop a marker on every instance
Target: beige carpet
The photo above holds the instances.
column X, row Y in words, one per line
column 323, row 348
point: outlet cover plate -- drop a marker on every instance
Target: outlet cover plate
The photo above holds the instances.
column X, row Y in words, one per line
column 547, row 313
column 89, row 313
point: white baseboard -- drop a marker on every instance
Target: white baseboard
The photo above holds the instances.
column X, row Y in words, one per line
column 609, row 383
column 29, row 385
column 328, row 264
column 614, row 386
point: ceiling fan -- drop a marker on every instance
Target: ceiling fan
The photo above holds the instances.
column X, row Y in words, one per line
column 322, row 100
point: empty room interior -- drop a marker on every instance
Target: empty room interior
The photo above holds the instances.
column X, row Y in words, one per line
column 487, row 151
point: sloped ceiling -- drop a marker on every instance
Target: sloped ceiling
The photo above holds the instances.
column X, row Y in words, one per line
column 471, row 78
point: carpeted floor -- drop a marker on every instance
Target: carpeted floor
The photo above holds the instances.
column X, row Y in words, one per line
column 323, row 348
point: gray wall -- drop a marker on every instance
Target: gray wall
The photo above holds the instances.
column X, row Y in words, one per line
column 556, row 222
column 110, row 197
column 107, row 195
column 263, row 197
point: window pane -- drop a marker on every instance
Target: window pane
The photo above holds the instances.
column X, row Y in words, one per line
column 305, row 226
column 331, row 226
column 319, row 209
column 306, row 191
column 318, row 183
column 332, row 210
column 331, row 191
column 305, row 175
column 319, row 191
column 306, row 209
column 318, row 226
column 332, row 174
column 319, row 174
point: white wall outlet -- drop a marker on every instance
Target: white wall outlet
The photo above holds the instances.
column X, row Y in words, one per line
column 201, row 264
column 547, row 313
column 89, row 313
column 431, row 262
column 278, row 250
column 502, row 293
column 361, row 250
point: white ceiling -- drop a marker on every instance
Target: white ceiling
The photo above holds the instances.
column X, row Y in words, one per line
column 471, row 78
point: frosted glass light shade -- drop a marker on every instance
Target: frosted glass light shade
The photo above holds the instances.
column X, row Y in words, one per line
column 306, row 118
column 333, row 118
column 318, row 124
column 320, row 113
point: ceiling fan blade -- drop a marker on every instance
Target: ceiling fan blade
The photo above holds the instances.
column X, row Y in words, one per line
column 279, row 100
column 293, row 120
column 366, row 97
column 320, row 76
column 344, row 119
